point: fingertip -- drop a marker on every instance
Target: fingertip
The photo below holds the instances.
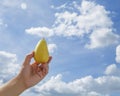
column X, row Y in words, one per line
column 32, row 53
column 50, row 58
column 29, row 56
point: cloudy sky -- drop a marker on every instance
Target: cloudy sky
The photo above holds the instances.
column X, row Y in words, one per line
column 83, row 37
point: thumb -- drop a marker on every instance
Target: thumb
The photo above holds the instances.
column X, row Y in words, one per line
column 50, row 58
column 28, row 58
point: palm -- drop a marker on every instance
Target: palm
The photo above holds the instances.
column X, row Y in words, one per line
column 32, row 74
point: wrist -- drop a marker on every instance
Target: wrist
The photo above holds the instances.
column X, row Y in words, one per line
column 14, row 87
column 20, row 82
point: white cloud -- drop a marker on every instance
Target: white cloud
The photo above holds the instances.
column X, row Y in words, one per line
column 118, row 54
column 102, row 37
column 40, row 31
column 64, row 24
column 8, row 66
column 23, row 6
column 86, row 86
column 52, row 47
column 88, row 19
column 112, row 70
column 7, row 57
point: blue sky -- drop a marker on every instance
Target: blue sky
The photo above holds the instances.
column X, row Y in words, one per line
column 83, row 38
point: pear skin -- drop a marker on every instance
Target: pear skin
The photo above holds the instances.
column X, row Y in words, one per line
column 41, row 53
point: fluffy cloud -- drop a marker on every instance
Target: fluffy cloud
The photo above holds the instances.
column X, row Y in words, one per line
column 87, row 19
column 112, row 70
column 102, row 37
column 52, row 47
column 118, row 54
column 86, row 86
column 8, row 66
column 40, row 31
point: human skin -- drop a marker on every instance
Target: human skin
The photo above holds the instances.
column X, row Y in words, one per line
column 29, row 75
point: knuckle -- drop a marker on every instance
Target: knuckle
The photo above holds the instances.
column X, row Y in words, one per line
column 28, row 56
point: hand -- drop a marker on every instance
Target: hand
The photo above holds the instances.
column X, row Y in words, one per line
column 31, row 74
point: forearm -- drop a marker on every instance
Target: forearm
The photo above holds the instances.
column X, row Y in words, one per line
column 12, row 88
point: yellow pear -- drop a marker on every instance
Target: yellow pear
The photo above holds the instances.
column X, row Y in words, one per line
column 41, row 54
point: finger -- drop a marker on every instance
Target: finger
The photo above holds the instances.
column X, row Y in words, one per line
column 28, row 58
column 50, row 58
column 42, row 73
column 43, row 67
column 45, row 70
column 46, row 66
column 42, row 70
column 34, row 66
